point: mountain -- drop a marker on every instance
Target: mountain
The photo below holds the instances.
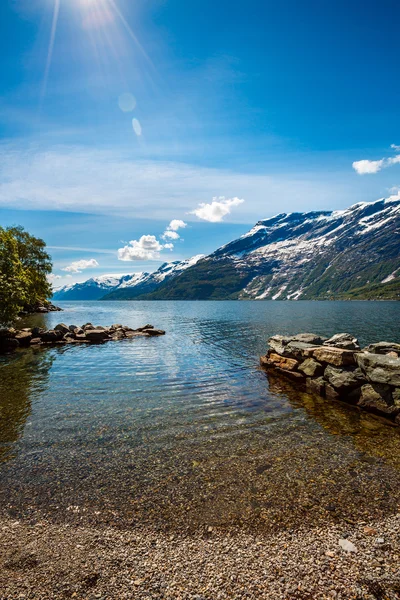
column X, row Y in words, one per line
column 353, row 253
column 125, row 287
column 151, row 281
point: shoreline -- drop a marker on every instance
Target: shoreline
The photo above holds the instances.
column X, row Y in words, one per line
column 61, row 561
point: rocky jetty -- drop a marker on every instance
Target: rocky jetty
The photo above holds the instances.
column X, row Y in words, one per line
column 41, row 308
column 338, row 369
column 11, row 339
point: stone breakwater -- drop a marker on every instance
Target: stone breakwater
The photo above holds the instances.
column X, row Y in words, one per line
column 338, row 369
column 11, row 339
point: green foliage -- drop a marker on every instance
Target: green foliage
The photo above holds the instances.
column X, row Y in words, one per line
column 24, row 264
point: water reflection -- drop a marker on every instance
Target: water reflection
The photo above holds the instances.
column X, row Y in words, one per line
column 22, row 377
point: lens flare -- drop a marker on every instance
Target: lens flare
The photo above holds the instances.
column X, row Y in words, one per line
column 53, row 32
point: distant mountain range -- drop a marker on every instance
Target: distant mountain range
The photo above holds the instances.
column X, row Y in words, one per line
column 344, row 254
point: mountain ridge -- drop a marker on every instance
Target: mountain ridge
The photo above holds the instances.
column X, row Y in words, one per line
column 343, row 254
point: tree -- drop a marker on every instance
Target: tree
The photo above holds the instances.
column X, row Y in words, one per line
column 36, row 263
column 24, row 266
column 13, row 283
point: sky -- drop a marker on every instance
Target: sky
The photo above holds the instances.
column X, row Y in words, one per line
column 135, row 132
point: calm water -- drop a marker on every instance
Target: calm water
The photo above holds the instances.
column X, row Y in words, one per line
column 186, row 429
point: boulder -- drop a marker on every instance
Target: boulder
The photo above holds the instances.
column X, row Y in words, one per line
column 278, row 343
column 316, row 386
column 311, row 368
column 80, row 337
column 37, row 331
column 7, row 332
column 331, row 393
column 51, row 336
column 396, row 397
column 334, row 356
column 299, row 349
column 118, row 335
column 73, row 328
column 345, row 341
column 36, row 341
column 380, row 368
column 265, row 362
column 309, row 338
column 24, row 337
column 148, row 326
column 378, row 397
column 96, row 335
column 87, row 327
column 383, row 348
column 62, row 327
column 153, row 332
column 344, row 379
column 116, row 326
column 289, row 364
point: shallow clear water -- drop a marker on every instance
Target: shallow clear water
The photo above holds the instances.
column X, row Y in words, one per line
column 186, row 427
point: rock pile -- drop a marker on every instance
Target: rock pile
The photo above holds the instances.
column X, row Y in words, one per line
column 337, row 368
column 11, row 339
column 41, row 308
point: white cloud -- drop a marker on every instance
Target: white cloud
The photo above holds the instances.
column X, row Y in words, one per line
column 363, row 167
column 217, row 209
column 172, row 229
column 176, row 224
column 367, row 167
column 146, row 248
column 51, row 277
column 172, row 235
column 80, row 265
column 119, row 183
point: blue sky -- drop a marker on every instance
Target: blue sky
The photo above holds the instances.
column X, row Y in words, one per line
column 120, row 116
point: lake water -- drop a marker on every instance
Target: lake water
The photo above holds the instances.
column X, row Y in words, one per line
column 186, row 430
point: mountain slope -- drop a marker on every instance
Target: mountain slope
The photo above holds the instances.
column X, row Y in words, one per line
column 152, row 281
column 123, row 287
column 353, row 253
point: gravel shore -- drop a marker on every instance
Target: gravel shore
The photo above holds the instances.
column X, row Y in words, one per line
column 46, row 561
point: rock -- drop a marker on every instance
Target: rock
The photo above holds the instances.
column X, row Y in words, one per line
column 347, row 545
column 396, row 397
column 62, row 327
column 343, row 380
column 299, row 350
column 343, row 340
column 116, row 326
column 265, row 362
column 87, row 327
column 154, row 332
column 24, row 338
column 79, row 331
column 334, row 356
column 378, row 396
column 331, row 393
column 118, row 335
column 73, row 328
column 96, row 335
column 289, row 364
column 7, row 332
column 37, row 331
column 309, row 338
column 380, row 368
column 36, row 341
column 278, row 343
column 51, row 336
column 315, row 386
column 383, row 348
column 311, row 368
column 369, row 530
column 148, row 326
column 290, row 374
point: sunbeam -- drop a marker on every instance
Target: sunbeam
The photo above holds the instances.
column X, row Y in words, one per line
column 56, row 12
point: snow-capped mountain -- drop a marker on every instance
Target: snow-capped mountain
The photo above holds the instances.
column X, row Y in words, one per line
column 341, row 254
column 127, row 286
